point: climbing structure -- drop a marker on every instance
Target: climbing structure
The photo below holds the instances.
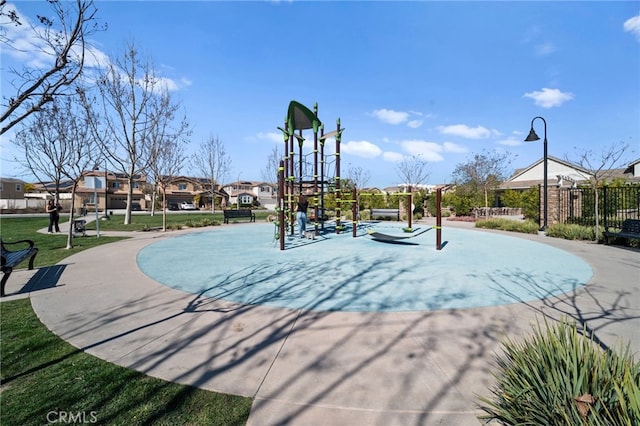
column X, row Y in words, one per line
column 312, row 174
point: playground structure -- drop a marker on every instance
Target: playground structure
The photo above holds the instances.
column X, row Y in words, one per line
column 298, row 175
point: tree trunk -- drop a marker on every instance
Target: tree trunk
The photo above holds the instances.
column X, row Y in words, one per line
column 72, row 216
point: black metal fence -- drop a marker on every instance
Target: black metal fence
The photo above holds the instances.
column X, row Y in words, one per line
column 577, row 205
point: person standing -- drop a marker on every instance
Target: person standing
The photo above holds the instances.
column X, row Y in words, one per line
column 301, row 214
column 54, row 216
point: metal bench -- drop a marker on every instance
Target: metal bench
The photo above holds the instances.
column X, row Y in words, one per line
column 392, row 213
column 239, row 214
column 12, row 258
column 630, row 231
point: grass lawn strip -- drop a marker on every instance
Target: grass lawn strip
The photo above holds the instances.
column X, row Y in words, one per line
column 44, row 379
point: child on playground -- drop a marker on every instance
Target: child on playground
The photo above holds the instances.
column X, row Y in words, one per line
column 301, row 214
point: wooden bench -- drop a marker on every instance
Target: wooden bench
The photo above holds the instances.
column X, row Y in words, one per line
column 239, row 214
column 392, row 213
column 630, row 231
column 12, row 258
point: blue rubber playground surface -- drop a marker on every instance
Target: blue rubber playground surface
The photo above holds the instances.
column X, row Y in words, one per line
column 337, row 272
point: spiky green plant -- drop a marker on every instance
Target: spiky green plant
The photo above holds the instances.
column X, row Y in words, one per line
column 571, row 231
column 527, row 226
column 560, row 376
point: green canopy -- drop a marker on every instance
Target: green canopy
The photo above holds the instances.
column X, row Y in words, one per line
column 300, row 117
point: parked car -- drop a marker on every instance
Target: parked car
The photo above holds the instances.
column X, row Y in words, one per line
column 174, row 206
column 136, row 207
column 187, row 206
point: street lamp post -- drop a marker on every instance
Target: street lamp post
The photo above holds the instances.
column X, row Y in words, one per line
column 531, row 138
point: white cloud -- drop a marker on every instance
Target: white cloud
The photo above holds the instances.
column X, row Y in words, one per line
column 270, row 136
column 361, row 149
column 390, row 116
column 394, row 157
column 454, row 148
column 413, row 119
column 632, row 25
column 510, row 141
column 545, row 49
column 465, row 131
column 549, row 98
column 429, row 151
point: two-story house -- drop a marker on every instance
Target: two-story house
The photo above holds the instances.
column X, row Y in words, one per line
column 249, row 193
column 108, row 190
column 11, row 193
column 193, row 190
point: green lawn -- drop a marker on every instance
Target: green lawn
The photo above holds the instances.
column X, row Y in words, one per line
column 44, row 380
column 144, row 221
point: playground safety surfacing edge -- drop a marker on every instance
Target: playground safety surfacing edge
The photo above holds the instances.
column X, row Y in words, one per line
column 336, row 272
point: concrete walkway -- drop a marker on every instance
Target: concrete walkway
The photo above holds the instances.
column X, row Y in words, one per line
column 316, row 368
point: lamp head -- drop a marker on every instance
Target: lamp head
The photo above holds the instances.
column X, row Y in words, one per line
column 532, row 136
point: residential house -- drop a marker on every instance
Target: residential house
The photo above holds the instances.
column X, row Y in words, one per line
column 108, row 190
column 560, row 173
column 632, row 172
column 563, row 174
column 193, row 190
column 252, row 193
column 11, row 193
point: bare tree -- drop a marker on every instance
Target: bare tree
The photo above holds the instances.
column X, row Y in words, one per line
column 167, row 152
column 167, row 160
column 58, row 145
column 413, row 170
column 62, row 38
column 212, row 162
column 133, row 102
column 359, row 176
column 483, row 172
column 601, row 166
column 270, row 171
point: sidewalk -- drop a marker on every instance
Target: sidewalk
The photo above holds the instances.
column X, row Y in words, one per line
column 320, row 368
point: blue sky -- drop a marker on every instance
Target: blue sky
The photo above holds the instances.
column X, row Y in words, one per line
column 443, row 80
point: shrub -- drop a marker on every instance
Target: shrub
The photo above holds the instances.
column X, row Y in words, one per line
column 560, row 376
column 571, row 231
column 527, row 226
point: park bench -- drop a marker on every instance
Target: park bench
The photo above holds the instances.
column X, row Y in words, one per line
column 12, row 258
column 392, row 213
column 630, row 230
column 239, row 214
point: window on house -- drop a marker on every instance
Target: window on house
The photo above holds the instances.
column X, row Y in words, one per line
column 136, row 185
column 182, row 187
column 115, row 185
column 18, row 187
column 246, row 199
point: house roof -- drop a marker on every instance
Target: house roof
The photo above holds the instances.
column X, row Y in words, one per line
column 519, row 172
column 11, row 180
column 580, row 176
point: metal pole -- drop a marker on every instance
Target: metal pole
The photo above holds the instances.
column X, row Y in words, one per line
column 546, row 192
column 281, row 204
column 439, row 219
column 338, row 186
column 95, row 196
column 534, row 137
column 354, row 210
